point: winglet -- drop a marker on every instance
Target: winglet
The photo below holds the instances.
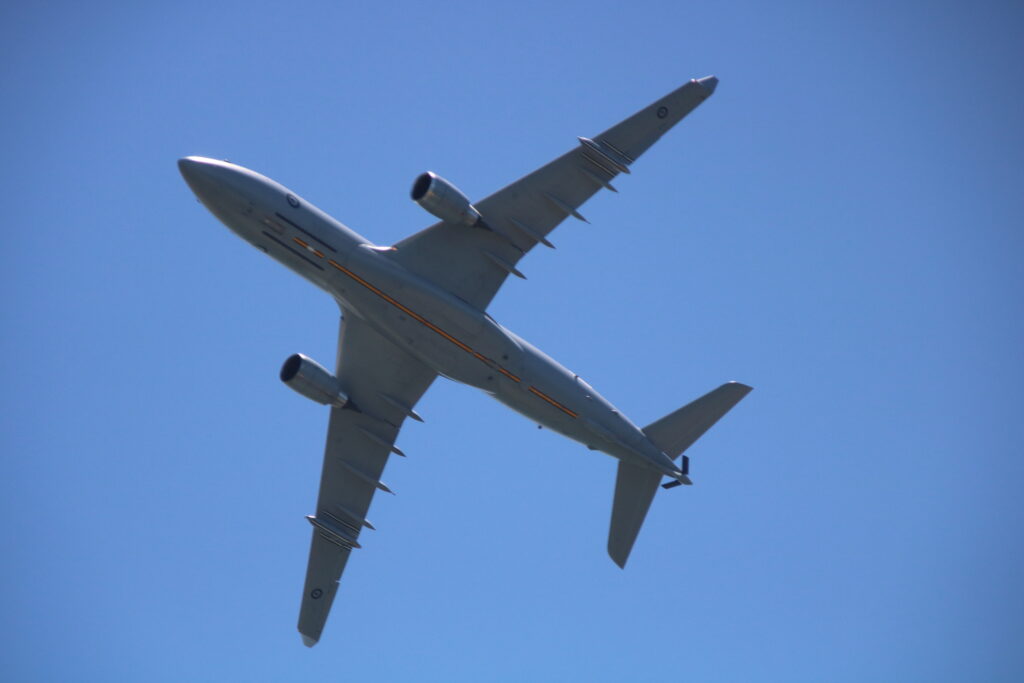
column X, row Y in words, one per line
column 709, row 83
column 307, row 641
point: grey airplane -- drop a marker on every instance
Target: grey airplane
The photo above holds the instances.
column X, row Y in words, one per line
column 417, row 309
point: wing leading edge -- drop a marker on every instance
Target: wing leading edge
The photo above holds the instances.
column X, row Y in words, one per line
column 383, row 384
column 473, row 262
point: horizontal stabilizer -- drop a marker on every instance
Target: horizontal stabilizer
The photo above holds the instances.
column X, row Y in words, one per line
column 677, row 431
column 635, row 487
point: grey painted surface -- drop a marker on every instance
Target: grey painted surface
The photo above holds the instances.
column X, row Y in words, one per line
column 417, row 310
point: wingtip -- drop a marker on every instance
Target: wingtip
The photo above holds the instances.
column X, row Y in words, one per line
column 709, row 83
column 617, row 557
column 307, row 641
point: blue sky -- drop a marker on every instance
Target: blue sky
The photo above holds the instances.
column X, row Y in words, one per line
column 839, row 226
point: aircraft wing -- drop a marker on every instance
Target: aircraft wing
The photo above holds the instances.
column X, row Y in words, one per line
column 473, row 262
column 383, row 384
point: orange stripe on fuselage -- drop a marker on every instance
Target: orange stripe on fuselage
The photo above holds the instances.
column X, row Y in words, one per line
column 306, row 246
column 537, row 392
column 419, row 318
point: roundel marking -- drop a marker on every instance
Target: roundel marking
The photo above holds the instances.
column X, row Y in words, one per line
column 292, row 201
column 316, row 593
column 662, row 112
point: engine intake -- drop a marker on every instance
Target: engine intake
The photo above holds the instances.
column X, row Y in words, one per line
column 444, row 200
column 307, row 377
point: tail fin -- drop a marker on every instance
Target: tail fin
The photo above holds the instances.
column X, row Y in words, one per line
column 636, row 485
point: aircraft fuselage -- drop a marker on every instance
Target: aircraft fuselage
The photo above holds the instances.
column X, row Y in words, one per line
column 445, row 333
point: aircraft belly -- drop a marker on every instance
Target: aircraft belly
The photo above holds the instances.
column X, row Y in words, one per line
column 416, row 309
column 240, row 215
column 448, row 340
column 294, row 261
column 527, row 405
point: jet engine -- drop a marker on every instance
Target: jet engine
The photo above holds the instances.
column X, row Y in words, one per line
column 444, row 200
column 309, row 378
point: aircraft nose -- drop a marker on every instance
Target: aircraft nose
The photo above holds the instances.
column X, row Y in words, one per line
column 201, row 176
column 191, row 167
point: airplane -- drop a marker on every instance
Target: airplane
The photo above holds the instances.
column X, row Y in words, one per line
column 417, row 309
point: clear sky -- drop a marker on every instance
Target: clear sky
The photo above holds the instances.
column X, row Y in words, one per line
column 840, row 226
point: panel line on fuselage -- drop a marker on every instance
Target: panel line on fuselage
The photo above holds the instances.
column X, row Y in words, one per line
column 408, row 311
column 305, row 232
column 301, row 256
column 306, row 246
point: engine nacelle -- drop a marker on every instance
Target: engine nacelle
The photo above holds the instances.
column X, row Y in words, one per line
column 309, row 378
column 441, row 198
